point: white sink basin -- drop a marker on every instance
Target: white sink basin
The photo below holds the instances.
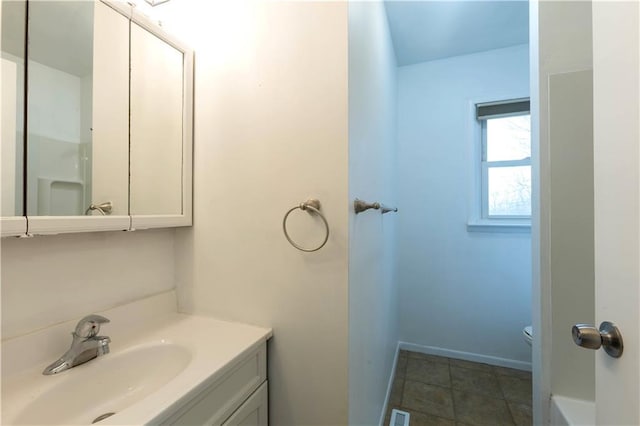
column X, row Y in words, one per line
column 107, row 384
column 159, row 362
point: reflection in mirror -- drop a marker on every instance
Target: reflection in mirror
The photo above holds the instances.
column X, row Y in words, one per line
column 12, row 125
column 110, row 125
column 156, row 125
column 59, row 103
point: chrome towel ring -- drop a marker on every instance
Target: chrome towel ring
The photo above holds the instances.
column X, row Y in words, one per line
column 312, row 205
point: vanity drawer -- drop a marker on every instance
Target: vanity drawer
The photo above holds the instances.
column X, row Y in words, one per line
column 216, row 403
column 255, row 410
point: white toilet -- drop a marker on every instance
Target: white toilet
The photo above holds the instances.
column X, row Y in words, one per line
column 527, row 333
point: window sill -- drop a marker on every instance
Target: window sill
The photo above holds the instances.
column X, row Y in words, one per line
column 502, row 226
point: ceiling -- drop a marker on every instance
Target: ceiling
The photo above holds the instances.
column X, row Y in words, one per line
column 13, row 23
column 421, row 30
column 428, row 30
column 60, row 33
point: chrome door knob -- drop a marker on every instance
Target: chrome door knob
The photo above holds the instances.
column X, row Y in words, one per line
column 608, row 337
column 587, row 336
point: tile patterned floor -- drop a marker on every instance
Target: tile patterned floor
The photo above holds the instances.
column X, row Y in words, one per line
column 450, row 392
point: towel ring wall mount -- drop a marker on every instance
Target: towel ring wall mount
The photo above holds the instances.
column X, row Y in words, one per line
column 311, row 205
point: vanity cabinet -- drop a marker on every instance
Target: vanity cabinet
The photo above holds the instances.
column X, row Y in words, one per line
column 168, row 369
column 239, row 397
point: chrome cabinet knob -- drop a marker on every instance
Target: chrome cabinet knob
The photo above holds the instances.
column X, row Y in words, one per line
column 608, row 337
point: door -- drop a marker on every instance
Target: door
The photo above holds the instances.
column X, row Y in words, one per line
column 616, row 79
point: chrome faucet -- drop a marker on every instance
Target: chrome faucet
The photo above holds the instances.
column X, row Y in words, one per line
column 86, row 345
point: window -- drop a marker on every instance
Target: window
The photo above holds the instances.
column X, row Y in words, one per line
column 506, row 159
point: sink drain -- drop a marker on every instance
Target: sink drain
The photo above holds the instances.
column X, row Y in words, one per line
column 102, row 417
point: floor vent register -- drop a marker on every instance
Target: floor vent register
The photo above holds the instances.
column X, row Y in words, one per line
column 399, row 418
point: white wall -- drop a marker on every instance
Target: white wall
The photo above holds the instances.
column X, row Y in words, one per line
column 48, row 280
column 54, row 103
column 271, row 131
column 373, row 332
column 459, row 290
column 566, row 224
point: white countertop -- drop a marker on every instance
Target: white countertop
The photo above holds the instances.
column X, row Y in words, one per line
column 213, row 347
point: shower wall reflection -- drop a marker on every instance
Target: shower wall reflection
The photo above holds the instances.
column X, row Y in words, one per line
column 60, row 82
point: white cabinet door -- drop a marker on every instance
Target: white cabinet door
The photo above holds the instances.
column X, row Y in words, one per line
column 254, row 411
column 616, row 71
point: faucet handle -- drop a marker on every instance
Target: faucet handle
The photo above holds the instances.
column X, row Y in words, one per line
column 89, row 326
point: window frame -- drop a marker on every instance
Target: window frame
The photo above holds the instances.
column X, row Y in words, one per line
column 478, row 220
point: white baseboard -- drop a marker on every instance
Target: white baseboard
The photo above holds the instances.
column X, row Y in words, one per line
column 389, row 386
column 467, row 356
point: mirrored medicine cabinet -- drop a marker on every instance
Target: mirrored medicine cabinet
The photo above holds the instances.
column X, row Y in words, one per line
column 96, row 119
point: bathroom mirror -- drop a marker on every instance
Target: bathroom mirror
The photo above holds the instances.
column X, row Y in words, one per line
column 155, row 125
column 109, row 127
column 161, row 126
